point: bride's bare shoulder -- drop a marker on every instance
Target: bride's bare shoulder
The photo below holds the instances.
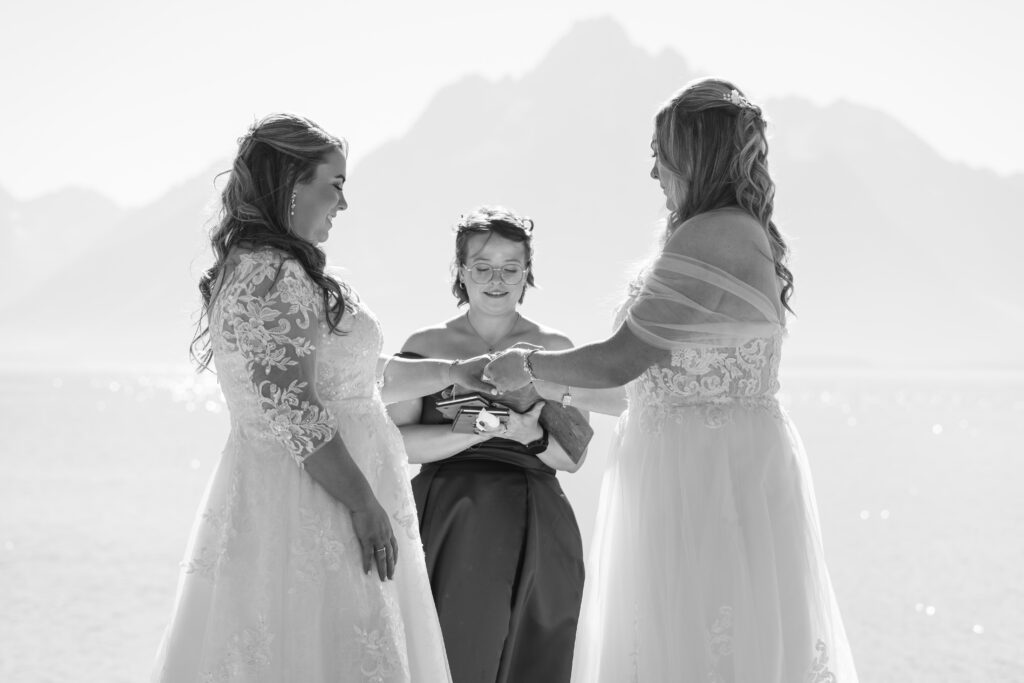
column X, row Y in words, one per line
column 723, row 235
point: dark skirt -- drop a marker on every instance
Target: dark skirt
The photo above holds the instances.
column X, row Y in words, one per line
column 505, row 561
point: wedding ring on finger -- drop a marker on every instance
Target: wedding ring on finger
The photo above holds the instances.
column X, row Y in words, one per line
column 382, row 549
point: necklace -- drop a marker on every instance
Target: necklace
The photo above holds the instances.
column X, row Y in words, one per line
column 497, row 342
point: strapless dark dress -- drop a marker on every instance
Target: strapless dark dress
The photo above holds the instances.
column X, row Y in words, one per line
column 505, row 560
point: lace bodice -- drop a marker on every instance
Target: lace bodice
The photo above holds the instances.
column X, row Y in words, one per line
column 713, row 380
column 282, row 371
column 713, row 374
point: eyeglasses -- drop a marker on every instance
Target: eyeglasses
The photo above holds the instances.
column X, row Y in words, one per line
column 481, row 273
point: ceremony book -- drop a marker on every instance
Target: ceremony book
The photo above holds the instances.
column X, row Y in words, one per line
column 464, row 410
column 567, row 426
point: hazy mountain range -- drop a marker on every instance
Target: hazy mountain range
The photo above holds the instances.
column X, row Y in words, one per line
column 901, row 257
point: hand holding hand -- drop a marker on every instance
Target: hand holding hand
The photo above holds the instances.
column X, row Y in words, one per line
column 508, row 371
column 466, row 373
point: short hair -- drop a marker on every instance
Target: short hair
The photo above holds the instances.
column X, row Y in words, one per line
column 490, row 220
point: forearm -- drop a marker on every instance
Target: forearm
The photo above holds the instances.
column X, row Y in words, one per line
column 610, row 401
column 593, row 366
column 555, row 457
column 430, row 443
column 332, row 467
column 408, row 378
column 610, row 363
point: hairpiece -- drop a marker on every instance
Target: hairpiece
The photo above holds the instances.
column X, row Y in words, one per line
column 734, row 98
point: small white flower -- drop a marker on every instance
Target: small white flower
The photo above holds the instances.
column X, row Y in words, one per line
column 486, row 421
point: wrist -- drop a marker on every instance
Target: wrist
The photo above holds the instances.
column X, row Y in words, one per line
column 449, row 380
column 362, row 502
column 528, row 364
column 534, row 436
column 539, row 441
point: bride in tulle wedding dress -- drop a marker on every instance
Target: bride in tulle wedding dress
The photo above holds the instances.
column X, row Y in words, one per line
column 305, row 562
column 707, row 560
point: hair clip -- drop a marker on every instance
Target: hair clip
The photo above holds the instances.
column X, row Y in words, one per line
column 736, row 99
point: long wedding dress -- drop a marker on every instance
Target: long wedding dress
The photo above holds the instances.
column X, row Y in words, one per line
column 707, row 561
column 272, row 587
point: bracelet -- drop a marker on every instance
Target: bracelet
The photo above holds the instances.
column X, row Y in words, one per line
column 567, row 398
column 450, row 366
column 527, row 366
column 541, row 443
column 384, row 373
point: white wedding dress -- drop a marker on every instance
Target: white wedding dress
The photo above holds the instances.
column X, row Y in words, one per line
column 707, row 561
column 272, row 588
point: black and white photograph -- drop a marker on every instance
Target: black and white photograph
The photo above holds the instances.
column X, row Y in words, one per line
column 536, row 342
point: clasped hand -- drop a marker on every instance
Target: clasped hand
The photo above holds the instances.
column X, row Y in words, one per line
column 498, row 373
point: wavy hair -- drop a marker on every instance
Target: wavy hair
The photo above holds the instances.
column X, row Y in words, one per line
column 277, row 152
column 490, row 220
column 711, row 137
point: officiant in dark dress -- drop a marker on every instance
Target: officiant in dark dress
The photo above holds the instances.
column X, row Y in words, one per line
column 502, row 546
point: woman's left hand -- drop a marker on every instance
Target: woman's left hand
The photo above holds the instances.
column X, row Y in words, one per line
column 508, row 371
column 466, row 374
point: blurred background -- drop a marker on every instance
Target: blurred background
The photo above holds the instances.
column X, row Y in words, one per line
column 899, row 170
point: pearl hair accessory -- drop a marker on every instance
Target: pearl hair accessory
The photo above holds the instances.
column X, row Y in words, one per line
column 292, row 212
column 735, row 98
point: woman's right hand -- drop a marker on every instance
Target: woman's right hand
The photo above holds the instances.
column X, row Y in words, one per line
column 380, row 548
column 524, row 427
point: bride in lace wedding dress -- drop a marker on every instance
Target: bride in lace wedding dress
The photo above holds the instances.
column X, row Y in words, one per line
column 707, row 560
column 305, row 561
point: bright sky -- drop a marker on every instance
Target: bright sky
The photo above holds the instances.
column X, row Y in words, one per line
column 130, row 97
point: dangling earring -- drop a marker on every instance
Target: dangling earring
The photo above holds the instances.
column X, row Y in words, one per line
column 292, row 213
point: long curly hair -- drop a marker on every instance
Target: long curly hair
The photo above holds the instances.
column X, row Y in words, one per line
column 711, row 137
column 277, row 152
column 490, row 220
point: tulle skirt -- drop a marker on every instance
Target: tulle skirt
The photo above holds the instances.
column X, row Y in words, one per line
column 272, row 587
column 707, row 561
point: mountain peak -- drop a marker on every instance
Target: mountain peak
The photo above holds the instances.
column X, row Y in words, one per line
column 600, row 29
column 588, row 40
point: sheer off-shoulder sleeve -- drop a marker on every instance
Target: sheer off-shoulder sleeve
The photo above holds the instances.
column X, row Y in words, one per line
column 271, row 315
column 713, row 283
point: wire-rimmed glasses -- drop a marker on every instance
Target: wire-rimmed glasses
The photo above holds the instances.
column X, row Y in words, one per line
column 482, row 273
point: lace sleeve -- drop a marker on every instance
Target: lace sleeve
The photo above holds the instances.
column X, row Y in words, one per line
column 271, row 315
column 712, row 284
